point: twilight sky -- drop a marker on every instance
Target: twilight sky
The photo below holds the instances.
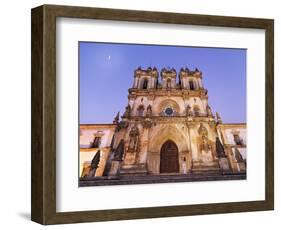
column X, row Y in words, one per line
column 107, row 72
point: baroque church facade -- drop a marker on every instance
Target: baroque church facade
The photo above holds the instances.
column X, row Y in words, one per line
column 168, row 128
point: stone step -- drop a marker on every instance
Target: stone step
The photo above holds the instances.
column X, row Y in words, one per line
column 148, row 179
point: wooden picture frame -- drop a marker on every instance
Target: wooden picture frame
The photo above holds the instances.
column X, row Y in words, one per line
column 43, row 188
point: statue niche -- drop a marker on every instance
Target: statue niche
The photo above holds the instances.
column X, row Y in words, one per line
column 209, row 111
column 205, row 146
column 188, row 111
column 134, row 139
column 133, row 146
column 149, row 111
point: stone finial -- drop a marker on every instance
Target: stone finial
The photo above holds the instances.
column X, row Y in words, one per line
column 168, row 73
column 116, row 119
column 219, row 120
column 209, row 111
column 183, row 73
column 219, row 148
column 96, row 160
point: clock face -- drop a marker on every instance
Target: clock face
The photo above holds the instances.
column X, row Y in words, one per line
column 169, row 111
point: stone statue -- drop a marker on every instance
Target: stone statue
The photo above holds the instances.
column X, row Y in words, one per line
column 238, row 156
column 134, row 139
column 202, row 130
column 94, row 164
column 219, row 120
column 219, row 148
column 209, row 111
column 188, row 111
column 184, row 167
column 118, row 155
column 205, row 145
column 127, row 112
column 149, row 111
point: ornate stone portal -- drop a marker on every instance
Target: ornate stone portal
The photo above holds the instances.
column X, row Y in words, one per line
column 168, row 127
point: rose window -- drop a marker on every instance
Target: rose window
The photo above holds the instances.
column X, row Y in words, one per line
column 169, row 111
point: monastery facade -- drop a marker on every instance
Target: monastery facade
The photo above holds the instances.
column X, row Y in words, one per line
column 168, row 128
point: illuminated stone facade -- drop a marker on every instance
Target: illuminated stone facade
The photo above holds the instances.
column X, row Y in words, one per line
column 168, row 128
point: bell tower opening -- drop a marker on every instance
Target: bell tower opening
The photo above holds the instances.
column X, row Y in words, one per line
column 191, row 85
column 145, row 84
column 169, row 158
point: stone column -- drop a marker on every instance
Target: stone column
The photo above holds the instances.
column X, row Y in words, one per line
column 187, row 86
column 200, row 83
column 185, row 83
column 136, row 81
column 164, row 84
column 173, row 83
column 190, row 158
column 151, row 82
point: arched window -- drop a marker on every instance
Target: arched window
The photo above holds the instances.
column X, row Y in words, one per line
column 237, row 139
column 144, row 84
column 140, row 110
column 191, row 85
column 169, row 83
column 96, row 142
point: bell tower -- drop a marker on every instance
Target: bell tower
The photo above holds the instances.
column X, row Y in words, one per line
column 168, row 77
column 191, row 84
column 145, row 79
column 191, row 80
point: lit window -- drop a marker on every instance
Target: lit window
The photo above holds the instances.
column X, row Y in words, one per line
column 237, row 139
column 96, row 143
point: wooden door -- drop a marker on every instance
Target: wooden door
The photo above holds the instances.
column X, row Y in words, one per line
column 169, row 158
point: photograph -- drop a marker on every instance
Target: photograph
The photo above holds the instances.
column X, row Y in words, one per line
column 152, row 113
column 142, row 114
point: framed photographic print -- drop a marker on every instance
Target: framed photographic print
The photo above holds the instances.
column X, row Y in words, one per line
column 141, row 114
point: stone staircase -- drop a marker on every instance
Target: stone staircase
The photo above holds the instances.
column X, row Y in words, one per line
column 163, row 178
